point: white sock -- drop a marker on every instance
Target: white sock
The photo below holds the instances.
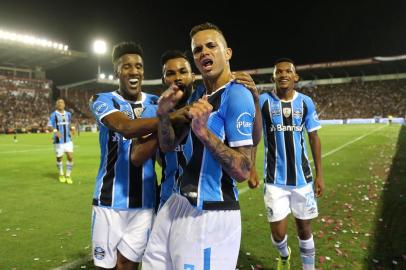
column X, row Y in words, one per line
column 60, row 167
column 282, row 246
column 307, row 253
column 69, row 166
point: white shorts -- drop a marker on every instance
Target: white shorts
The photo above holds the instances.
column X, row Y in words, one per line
column 186, row 238
column 61, row 148
column 280, row 201
column 127, row 231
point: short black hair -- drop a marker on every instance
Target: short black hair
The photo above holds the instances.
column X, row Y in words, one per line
column 205, row 26
column 284, row 59
column 172, row 54
column 126, row 47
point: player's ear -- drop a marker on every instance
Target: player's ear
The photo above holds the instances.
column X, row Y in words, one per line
column 163, row 80
column 229, row 53
column 297, row 77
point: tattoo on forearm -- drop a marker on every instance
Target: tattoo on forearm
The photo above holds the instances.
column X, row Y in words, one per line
column 166, row 133
column 233, row 162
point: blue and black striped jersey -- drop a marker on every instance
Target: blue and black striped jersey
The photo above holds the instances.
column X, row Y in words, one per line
column 62, row 123
column 120, row 184
column 203, row 181
column 286, row 161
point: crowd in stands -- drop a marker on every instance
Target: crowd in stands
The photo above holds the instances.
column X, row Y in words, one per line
column 26, row 105
column 359, row 99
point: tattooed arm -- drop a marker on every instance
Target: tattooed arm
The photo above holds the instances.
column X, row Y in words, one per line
column 235, row 161
column 167, row 136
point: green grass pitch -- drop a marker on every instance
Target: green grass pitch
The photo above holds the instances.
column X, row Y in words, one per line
column 45, row 224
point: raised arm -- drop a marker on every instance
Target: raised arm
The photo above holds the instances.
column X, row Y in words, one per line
column 166, row 133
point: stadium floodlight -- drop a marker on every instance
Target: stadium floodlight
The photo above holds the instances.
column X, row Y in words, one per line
column 99, row 47
column 31, row 40
column 102, row 76
column 111, row 77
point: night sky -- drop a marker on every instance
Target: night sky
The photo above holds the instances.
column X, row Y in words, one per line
column 258, row 33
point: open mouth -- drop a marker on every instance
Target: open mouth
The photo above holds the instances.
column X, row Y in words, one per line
column 283, row 81
column 133, row 83
column 181, row 85
column 207, row 64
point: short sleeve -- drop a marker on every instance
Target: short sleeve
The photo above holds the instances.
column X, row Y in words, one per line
column 101, row 105
column 51, row 121
column 312, row 122
column 239, row 117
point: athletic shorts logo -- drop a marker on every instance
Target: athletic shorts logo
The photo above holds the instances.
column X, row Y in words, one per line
column 270, row 211
column 99, row 253
column 99, row 107
column 286, row 112
column 244, row 124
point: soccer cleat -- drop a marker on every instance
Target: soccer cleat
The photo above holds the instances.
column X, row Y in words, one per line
column 69, row 180
column 62, row 179
column 284, row 263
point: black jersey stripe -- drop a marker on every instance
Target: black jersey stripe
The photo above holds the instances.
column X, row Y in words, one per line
column 271, row 148
column 106, row 194
column 135, row 186
column 189, row 180
column 305, row 163
column 64, row 132
column 57, row 127
column 289, row 145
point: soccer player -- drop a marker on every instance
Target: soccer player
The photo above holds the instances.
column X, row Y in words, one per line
column 60, row 121
column 124, row 196
column 289, row 183
column 176, row 70
column 199, row 227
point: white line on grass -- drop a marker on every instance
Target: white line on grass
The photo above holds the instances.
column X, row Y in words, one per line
column 245, row 189
column 24, row 151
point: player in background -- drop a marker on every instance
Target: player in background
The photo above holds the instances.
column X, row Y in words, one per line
column 289, row 183
column 60, row 122
column 124, row 196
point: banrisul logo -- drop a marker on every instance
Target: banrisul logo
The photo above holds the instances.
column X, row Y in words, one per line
column 244, row 124
column 99, row 107
column 283, row 128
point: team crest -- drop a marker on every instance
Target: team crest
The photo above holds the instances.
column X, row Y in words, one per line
column 99, row 253
column 138, row 112
column 287, row 112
